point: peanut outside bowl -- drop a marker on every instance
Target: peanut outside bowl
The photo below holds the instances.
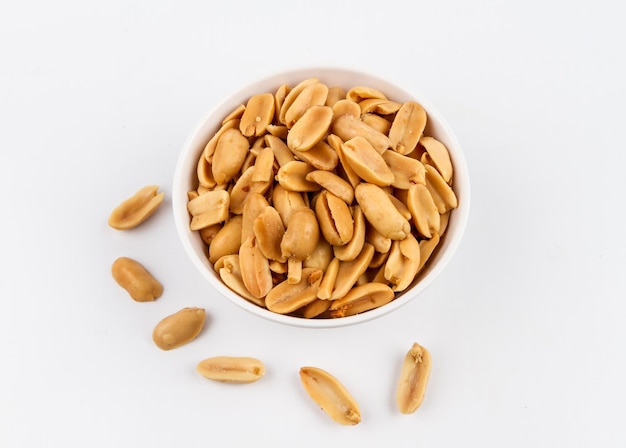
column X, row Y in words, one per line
column 185, row 173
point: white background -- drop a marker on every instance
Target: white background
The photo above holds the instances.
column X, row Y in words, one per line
column 526, row 325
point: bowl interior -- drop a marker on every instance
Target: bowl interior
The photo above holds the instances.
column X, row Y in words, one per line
column 204, row 130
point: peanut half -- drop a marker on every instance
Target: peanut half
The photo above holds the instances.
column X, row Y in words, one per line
column 413, row 379
column 330, row 395
column 231, row 369
column 179, row 328
column 136, row 280
column 136, row 209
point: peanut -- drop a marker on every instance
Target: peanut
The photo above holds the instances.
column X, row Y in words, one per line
column 136, row 209
column 179, row 328
column 231, row 369
column 136, row 280
column 330, row 395
column 413, row 379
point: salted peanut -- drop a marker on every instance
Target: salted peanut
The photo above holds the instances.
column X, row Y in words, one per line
column 379, row 106
column 209, row 208
column 292, row 95
column 349, row 126
column 243, row 188
column 136, row 209
column 335, row 219
column 406, row 170
column 230, row 153
column 362, row 298
column 377, row 122
column 282, row 153
column 381, row 212
column 439, row 155
column 360, row 93
column 231, row 369
column 328, row 281
column 344, row 169
column 312, row 95
column 136, row 280
column 444, row 219
column 407, row 127
column 227, row 240
column 375, row 238
column 427, row 247
column 292, row 177
column 413, row 379
column 258, row 115
column 367, row 162
column 315, row 308
column 403, row 263
column 264, row 166
column 321, row 256
column 254, row 206
column 424, row 211
column 284, row 201
column 211, row 145
column 400, row 206
column 330, row 395
column 379, row 259
column 179, row 328
column 287, row 297
column 350, row 271
column 229, row 270
column 204, row 171
column 442, row 193
column 299, row 241
column 335, row 93
column 235, row 114
column 353, row 248
column 278, row 268
column 255, row 268
column 321, row 156
column 208, row 233
column 269, row 231
column 346, row 107
column 279, row 99
column 278, row 130
column 333, row 183
column 310, row 128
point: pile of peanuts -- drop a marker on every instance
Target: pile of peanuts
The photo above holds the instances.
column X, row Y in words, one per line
column 318, row 202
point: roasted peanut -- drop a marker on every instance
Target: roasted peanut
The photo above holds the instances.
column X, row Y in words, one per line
column 310, row 128
column 353, row 248
column 258, row 114
column 136, row 209
column 349, row 126
column 209, row 208
column 330, row 395
column 312, row 95
column 287, row 297
column 407, row 127
column 367, row 162
column 136, row 280
column 231, row 369
column 439, row 155
column 255, row 268
column 227, row 240
column 413, row 379
column 381, row 212
column 333, row 183
column 335, row 219
column 230, row 153
column 179, row 328
column 362, row 298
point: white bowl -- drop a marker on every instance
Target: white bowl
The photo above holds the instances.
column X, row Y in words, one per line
column 204, row 130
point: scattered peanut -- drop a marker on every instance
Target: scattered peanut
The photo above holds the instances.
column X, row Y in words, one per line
column 230, row 369
column 330, row 395
column 136, row 280
column 136, row 209
column 179, row 328
column 413, row 379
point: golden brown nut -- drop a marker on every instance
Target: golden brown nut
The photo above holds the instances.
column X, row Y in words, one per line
column 136, row 280
column 413, row 379
column 231, row 369
column 179, row 328
column 136, row 209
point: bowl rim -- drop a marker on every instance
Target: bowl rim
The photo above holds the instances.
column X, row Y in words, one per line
column 208, row 124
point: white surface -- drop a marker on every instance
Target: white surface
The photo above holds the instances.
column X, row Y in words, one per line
column 526, row 325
